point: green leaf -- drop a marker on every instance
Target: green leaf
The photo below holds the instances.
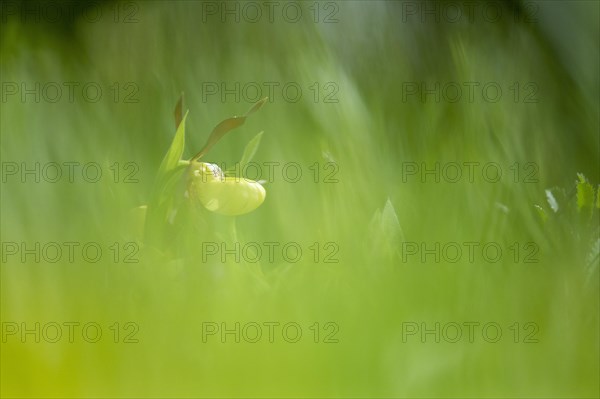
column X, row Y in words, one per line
column 218, row 132
column 257, row 106
column 171, row 159
column 598, row 197
column 585, row 193
column 224, row 127
column 168, row 185
column 167, row 197
column 250, row 150
column 178, row 113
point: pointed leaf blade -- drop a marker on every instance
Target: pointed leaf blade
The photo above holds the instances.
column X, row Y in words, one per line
column 178, row 113
column 218, row 132
column 257, row 106
column 250, row 150
column 172, row 157
column 226, row 126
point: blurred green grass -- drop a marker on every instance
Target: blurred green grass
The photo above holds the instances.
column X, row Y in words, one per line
column 371, row 134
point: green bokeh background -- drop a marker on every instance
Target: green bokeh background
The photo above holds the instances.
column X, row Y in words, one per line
column 371, row 133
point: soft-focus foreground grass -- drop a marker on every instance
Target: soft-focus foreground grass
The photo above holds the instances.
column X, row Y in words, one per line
column 371, row 133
